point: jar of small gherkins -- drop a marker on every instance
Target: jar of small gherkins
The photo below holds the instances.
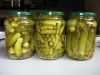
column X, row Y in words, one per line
column 49, row 35
column 80, row 35
column 19, row 34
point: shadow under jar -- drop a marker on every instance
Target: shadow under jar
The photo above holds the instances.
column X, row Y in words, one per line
column 19, row 34
column 49, row 35
column 80, row 35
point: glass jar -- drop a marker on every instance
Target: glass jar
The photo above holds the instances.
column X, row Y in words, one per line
column 19, row 34
column 49, row 35
column 80, row 35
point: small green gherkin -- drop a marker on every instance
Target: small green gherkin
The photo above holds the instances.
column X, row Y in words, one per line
column 71, row 22
column 8, row 26
column 10, row 41
column 18, row 47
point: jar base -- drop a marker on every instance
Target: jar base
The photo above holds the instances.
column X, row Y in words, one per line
column 80, row 58
column 20, row 58
column 50, row 57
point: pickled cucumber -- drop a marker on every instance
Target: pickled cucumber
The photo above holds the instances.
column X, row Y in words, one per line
column 80, row 38
column 51, row 22
column 49, row 40
column 12, row 40
column 8, row 26
column 18, row 47
column 19, row 37
column 82, row 41
column 51, row 47
column 71, row 22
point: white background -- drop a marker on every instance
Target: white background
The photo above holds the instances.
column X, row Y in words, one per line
column 36, row 66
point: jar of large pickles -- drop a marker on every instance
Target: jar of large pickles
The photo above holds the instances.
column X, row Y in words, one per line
column 19, row 34
column 49, row 35
column 80, row 35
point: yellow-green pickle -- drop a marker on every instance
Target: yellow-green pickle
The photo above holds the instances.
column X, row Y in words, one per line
column 19, row 34
column 80, row 35
column 49, row 35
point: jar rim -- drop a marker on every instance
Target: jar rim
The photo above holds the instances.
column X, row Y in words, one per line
column 83, row 14
column 55, row 13
column 19, row 13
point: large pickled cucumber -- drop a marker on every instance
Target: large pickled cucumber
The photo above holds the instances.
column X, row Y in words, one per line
column 90, row 41
column 68, row 44
column 12, row 40
column 75, row 41
column 18, row 47
column 82, row 41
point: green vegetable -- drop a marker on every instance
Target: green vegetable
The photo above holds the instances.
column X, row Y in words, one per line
column 26, row 22
column 14, row 24
column 19, row 37
column 90, row 40
column 48, row 32
column 12, row 40
column 26, row 38
column 53, row 37
column 70, row 29
column 39, row 38
column 11, row 50
column 32, row 42
column 71, row 22
column 8, row 26
column 80, row 37
column 48, row 38
column 51, row 22
column 24, row 50
column 47, row 27
column 57, row 37
column 75, row 41
column 82, row 41
column 94, row 24
column 68, row 44
column 18, row 47
column 25, row 44
column 81, row 23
